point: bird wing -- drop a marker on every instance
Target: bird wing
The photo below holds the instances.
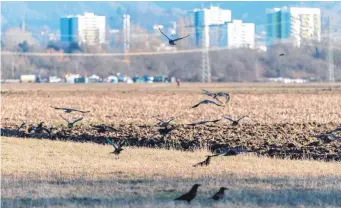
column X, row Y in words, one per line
column 210, row 101
column 164, row 34
column 243, row 117
column 65, row 119
column 180, row 38
column 58, row 108
column 114, row 145
column 230, row 119
column 194, row 106
column 80, row 111
column 207, row 92
column 215, row 121
column 78, row 119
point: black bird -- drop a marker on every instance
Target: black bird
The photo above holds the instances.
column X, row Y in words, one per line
column 103, row 128
column 165, row 131
column 203, row 122
column 170, row 41
column 205, row 162
column 70, row 124
column 118, row 148
column 37, row 129
column 23, row 124
column 69, row 110
column 220, row 194
column 164, row 123
column 217, row 95
column 282, row 54
column 206, row 102
column 235, row 122
column 334, row 130
column 189, row 196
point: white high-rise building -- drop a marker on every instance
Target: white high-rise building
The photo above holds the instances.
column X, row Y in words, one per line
column 293, row 23
column 210, row 26
column 240, row 34
column 88, row 29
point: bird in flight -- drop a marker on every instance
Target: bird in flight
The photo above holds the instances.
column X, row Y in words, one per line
column 216, row 95
column 205, row 162
column 23, row 124
column 172, row 41
column 189, row 196
column 69, row 110
column 235, row 122
column 70, row 124
column 203, row 122
column 206, row 102
column 164, row 123
column 118, row 148
column 282, row 54
column 220, row 194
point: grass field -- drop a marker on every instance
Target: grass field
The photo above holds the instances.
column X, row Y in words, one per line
column 40, row 173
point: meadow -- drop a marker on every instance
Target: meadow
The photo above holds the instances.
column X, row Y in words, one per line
column 38, row 171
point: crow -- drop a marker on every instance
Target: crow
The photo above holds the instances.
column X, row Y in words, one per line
column 189, row 196
column 170, row 41
column 69, row 110
column 23, row 124
column 205, row 162
column 118, row 148
column 235, row 122
column 70, row 124
column 164, row 123
column 203, row 122
column 206, row 102
column 216, row 95
column 37, row 129
column 220, row 194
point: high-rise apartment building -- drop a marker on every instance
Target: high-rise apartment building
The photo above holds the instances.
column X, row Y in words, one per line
column 293, row 24
column 88, row 29
column 240, row 34
column 211, row 26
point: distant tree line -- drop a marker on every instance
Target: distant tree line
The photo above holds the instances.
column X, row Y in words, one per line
column 310, row 61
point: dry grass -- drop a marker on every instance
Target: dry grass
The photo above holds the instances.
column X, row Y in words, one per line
column 137, row 103
column 41, row 173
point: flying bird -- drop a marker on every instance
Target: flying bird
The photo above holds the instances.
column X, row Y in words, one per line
column 220, row 194
column 217, row 95
column 206, row 102
column 164, row 123
column 23, row 124
column 205, row 162
column 203, row 122
column 189, row 196
column 70, row 124
column 235, row 122
column 69, row 110
column 282, row 54
column 118, row 148
column 172, row 41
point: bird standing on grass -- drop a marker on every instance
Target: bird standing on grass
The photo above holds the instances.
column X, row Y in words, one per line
column 189, row 196
column 220, row 194
column 172, row 41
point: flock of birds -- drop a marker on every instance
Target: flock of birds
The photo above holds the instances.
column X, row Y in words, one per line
column 164, row 128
